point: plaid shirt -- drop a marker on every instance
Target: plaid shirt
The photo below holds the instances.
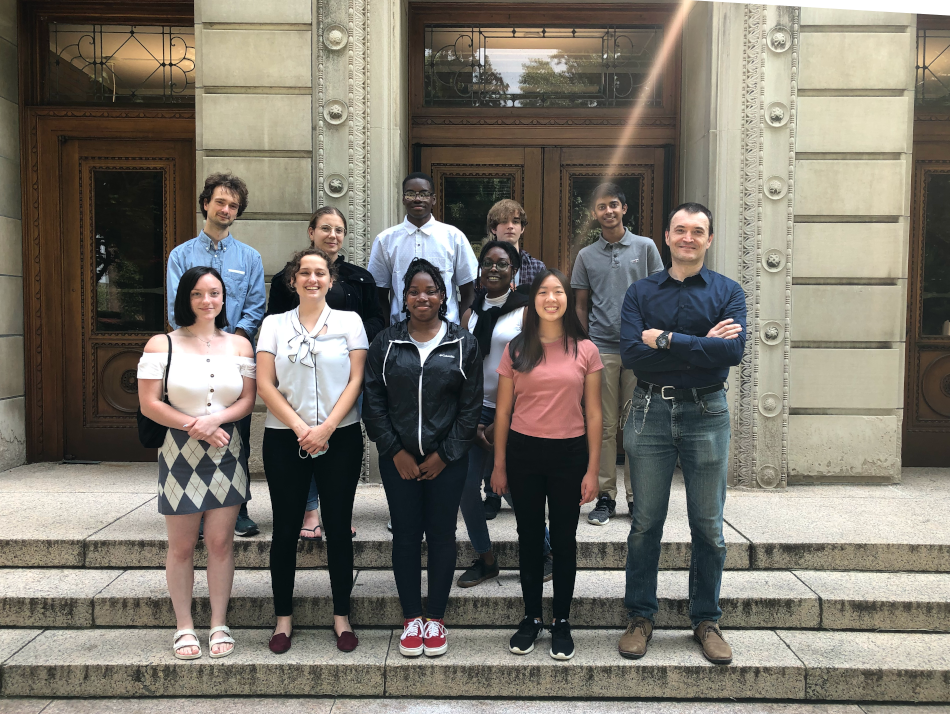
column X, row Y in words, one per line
column 530, row 269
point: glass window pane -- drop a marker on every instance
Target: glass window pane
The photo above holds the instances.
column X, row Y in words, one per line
column 572, row 67
column 106, row 64
column 933, row 68
column 467, row 199
column 584, row 228
column 129, row 245
column 936, row 283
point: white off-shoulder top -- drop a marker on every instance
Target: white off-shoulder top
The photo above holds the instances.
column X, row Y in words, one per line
column 199, row 384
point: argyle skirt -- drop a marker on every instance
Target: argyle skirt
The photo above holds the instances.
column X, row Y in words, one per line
column 194, row 476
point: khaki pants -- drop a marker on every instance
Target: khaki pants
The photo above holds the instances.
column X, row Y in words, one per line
column 617, row 385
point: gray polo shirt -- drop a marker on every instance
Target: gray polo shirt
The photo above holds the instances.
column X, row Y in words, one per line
column 607, row 270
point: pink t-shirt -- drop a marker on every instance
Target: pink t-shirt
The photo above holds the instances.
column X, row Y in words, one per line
column 548, row 399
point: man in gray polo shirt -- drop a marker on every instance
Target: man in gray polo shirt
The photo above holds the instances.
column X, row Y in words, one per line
column 602, row 273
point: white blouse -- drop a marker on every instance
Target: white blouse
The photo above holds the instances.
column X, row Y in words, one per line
column 312, row 369
column 506, row 328
column 199, row 384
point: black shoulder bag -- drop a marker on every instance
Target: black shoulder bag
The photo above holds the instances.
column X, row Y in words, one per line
column 152, row 434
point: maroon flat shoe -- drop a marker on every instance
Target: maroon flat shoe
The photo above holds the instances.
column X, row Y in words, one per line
column 279, row 643
column 347, row 641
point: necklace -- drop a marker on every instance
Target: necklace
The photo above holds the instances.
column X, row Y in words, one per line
column 207, row 343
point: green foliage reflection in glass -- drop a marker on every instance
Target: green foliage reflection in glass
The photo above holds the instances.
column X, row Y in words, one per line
column 936, row 284
column 467, row 199
column 541, row 66
column 933, row 68
column 129, row 238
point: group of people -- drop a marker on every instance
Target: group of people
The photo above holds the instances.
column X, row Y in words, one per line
column 495, row 373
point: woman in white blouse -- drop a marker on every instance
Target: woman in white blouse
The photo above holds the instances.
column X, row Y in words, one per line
column 202, row 468
column 310, row 365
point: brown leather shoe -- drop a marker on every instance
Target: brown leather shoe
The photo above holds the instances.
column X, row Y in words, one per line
column 715, row 647
column 633, row 642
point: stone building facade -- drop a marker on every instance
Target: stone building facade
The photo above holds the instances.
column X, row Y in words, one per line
column 795, row 125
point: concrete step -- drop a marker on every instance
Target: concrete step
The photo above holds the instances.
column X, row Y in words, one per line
column 749, row 599
column 781, row 665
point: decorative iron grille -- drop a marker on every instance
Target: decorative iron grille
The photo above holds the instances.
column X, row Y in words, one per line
column 933, row 68
column 120, row 63
column 573, row 67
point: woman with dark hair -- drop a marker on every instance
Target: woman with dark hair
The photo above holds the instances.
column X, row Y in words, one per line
column 353, row 289
column 494, row 320
column 202, row 467
column 422, row 401
column 310, row 367
column 548, row 381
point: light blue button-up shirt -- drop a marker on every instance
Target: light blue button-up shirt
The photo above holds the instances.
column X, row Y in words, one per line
column 243, row 273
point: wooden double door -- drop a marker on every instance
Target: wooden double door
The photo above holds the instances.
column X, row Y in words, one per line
column 554, row 186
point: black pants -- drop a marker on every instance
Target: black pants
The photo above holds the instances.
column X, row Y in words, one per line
column 244, row 426
column 429, row 507
column 549, row 470
column 337, row 473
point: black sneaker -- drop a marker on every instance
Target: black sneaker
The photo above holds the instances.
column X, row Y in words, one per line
column 548, row 568
column 492, row 506
column 603, row 512
column 522, row 642
column 245, row 527
column 562, row 644
column 478, row 573
column 630, row 507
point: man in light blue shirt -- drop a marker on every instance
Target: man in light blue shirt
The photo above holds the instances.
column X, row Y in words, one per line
column 222, row 200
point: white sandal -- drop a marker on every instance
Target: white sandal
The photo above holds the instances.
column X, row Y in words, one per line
column 220, row 641
column 176, row 646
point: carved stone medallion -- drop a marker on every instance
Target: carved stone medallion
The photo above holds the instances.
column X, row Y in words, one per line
column 772, row 332
column 770, row 404
column 768, row 476
column 776, row 187
column 779, row 39
column 773, row 260
column 335, row 111
column 776, row 114
column 335, row 185
column 335, row 37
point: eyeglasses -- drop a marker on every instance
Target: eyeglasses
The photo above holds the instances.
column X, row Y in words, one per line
column 501, row 264
column 413, row 195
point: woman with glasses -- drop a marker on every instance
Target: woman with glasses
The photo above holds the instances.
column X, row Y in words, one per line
column 353, row 289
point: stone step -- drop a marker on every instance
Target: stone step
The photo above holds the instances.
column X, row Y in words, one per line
column 749, row 599
column 768, row 664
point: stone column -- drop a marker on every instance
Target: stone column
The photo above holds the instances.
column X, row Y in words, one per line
column 12, row 401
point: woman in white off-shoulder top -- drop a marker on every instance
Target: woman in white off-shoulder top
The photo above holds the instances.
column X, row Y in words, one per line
column 202, row 469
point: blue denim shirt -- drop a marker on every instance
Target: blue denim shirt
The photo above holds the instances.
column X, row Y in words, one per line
column 688, row 309
column 243, row 273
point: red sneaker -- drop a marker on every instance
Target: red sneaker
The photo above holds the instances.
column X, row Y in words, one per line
column 411, row 644
column 434, row 638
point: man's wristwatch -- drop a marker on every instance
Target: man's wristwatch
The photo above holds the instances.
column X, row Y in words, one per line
column 663, row 341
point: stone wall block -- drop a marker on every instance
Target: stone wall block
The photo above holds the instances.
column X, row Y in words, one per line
column 275, row 185
column 276, row 241
column 845, row 378
column 828, row 16
column 853, row 124
column 8, row 71
column 11, row 376
column 8, row 20
column 11, row 251
column 844, row 446
column 9, row 186
column 250, row 11
column 848, row 313
column 12, row 432
column 255, row 58
column 858, row 60
column 850, row 250
column 851, row 188
column 256, row 122
column 10, row 135
column 11, row 298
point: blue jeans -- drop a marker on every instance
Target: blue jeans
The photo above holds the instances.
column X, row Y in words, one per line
column 656, row 433
column 313, row 496
column 480, row 465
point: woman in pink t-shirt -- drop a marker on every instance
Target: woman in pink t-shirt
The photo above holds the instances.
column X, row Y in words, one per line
column 549, row 374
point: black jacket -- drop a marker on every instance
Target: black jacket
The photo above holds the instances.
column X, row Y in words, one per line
column 421, row 410
column 359, row 296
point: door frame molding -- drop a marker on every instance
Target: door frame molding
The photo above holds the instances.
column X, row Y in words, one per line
column 43, row 132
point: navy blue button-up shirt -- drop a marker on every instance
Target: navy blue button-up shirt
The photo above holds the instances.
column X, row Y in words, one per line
column 688, row 309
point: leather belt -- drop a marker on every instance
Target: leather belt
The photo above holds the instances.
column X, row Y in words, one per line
column 681, row 394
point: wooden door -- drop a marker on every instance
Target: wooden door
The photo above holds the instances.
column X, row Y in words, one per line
column 125, row 205
column 926, row 438
column 554, row 185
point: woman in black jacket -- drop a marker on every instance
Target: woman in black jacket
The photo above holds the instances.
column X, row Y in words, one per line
column 353, row 290
column 422, row 402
